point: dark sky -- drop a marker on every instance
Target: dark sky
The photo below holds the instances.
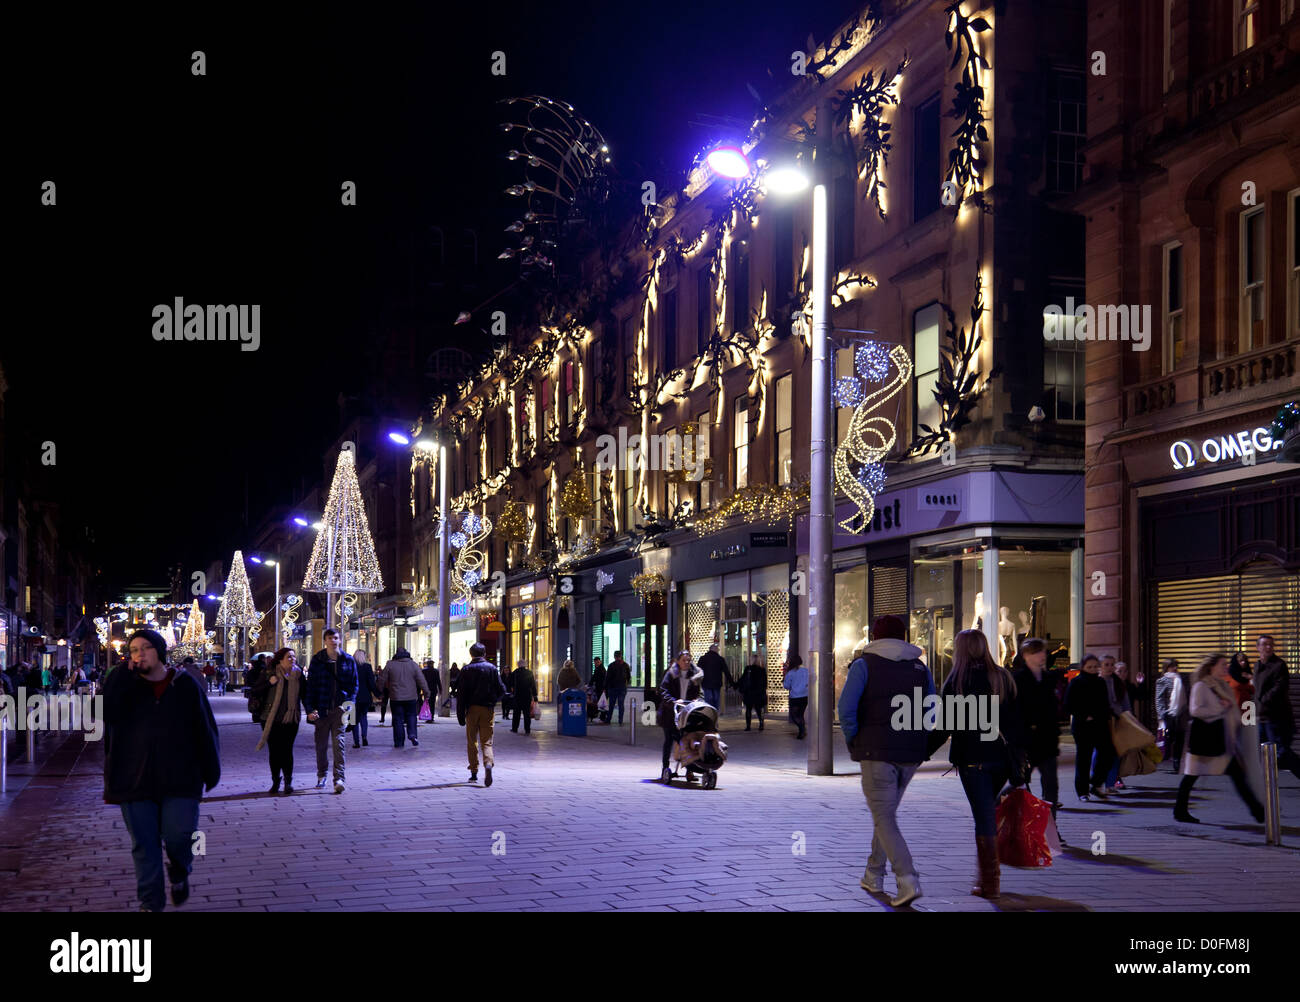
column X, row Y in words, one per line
column 225, row 189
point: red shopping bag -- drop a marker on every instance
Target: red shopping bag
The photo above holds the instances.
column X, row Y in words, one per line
column 426, row 714
column 1022, row 830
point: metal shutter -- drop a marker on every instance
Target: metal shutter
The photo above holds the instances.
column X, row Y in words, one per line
column 1198, row 616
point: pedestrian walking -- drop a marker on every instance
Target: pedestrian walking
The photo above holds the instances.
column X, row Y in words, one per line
column 209, row 675
column 1239, row 680
column 1036, row 686
column 383, row 693
column 1120, row 702
column 753, row 693
column 599, row 679
column 524, row 686
column 507, row 699
column 405, row 688
column 367, row 693
column 795, row 679
column 1088, row 702
column 682, row 681
column 280, row 690
column 1171, row 708
column 480, row 688
column 331, row 682
column 887, row 669
column 714, row 667
column 432, row 679
column 1276, row 716
column 617, row 680
column 1214, row 739
column 222, row 677
column 161, row 752
column 984, row 766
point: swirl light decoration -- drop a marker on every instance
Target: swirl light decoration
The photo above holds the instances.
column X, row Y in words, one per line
column 471, row 562
column 345, row 606
column 869, row 440
column 291, row 605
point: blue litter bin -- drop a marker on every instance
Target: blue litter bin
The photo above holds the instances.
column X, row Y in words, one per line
column 573, row 712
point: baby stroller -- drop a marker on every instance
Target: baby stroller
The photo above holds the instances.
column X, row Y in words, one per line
column 699, row 748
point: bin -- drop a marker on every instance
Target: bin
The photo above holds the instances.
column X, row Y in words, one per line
column 573, row 712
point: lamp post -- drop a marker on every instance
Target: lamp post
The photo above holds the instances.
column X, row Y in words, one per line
column 275, row 618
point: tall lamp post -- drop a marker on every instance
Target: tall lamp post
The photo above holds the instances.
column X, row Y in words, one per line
column 269, row 562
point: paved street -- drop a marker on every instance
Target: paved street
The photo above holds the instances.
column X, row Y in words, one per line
column 583, row 825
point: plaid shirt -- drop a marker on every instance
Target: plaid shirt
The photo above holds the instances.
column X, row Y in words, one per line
column 325, row 691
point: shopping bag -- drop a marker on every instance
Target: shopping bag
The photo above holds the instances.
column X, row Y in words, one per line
column 1137, row 762
column 1022, row 821
column 426, row 714
column 536, row 710
column 1127, row 734
column 602, row 704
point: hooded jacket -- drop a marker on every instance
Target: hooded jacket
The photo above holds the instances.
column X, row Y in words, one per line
column 672, row 689
column 403, row 680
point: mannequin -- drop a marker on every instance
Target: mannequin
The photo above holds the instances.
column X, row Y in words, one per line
column 977, row 618
column 1024, row 622
column 1006, row 635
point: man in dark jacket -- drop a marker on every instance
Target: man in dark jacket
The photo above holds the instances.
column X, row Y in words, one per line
column 1276, row 716
column 480, row 688
column 161, row 751
column 715, row 670
column 330, row 697
column 1088, row 702
column 1036, row 695
column 405, row 687
column 433, row 679
column 887, row 668
column 367, row 693
column 598, row 678
column 524, row 686
column 753, row 693
column 616, row 683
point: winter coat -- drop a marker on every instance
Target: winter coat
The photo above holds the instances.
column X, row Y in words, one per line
column 753, row 687
column 403, row 680
column 620, row 675
column 1087, row 700
column 480, row 685
column 1275, row 708
column 968, row 746
column 670, row 689
column 1209, row 697
column 886, row 669
column 433, row 680
column 568, row 679
column 158, row 748
column 327, row 690
column 367, row 687
column 265, row 691
column 524, row 687
column 598, row 677
column 714, row 667
column 1038, row 712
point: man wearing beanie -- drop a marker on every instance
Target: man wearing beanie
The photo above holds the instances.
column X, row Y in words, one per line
column 161, row 751
column 887, row 668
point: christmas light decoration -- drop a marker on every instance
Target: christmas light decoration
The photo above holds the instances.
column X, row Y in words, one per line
column 965, row 167
column 848, row 391
column 869, row 439
column 575, row 500
column 343, row 557
column 872, row 477
column 291, row 606
column 512, row 525
column 471, row 561
column 871, row 361
column 648, row 584
column 236, row 609
column 769, row 504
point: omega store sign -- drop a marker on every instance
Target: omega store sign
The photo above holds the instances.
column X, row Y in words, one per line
column 1243, row 442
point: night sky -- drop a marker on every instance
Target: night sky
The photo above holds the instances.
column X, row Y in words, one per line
column 225, row 189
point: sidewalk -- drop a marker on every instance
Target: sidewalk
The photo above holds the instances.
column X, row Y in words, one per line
column 582, row 824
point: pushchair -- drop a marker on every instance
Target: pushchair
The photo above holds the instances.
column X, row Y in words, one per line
column 699, row 748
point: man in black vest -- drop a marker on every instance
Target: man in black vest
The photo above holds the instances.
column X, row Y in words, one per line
column 884, row 739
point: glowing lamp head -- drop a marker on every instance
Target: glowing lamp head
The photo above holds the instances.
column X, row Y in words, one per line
column 299, row 520
column 786, row 180
column 399, row 438
column 728, row 161
column 426, row 445
column 256, row 560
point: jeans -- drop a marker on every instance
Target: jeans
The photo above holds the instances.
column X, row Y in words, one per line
column 1090, row 739
column 279, row 742
column 1047, row 775
column 1238, row 778
column 383, row 708
column 714, row 698
column 151, row 825
column 982, row 785
column 478, row 731
column 1286, row 758
column 883, row 784
column 527, row 713
column 616, row 698
column 329, row 731
column 1112, row 777
column 797, row 708
column 405, row 714
column 362, row 731
column 1174, row 739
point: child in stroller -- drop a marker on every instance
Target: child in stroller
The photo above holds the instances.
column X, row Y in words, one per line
column 699, row 747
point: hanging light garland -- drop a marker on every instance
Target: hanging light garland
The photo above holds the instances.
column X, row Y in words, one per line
column 648, row 584
column 769, row 504
column 869, row 439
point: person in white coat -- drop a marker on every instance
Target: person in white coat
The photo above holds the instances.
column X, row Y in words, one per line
column 1214, row 744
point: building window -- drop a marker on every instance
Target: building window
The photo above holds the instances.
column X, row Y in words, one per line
column 544, row 411
column 927, row 167
column 1066, row 131
column 1293, row 264
column 702, row 429
column 673, row 356
column 784, row 429
column 1063, row 376
column 1247, row 12
column 703, row 309
column 1288, row 9
column 1168, row 75
column 1173, row 307
column 629, row 496
column 1254, row 265
column 740, row 443
column 740, row 318
column 570, row 394
column 926, row 325
column 669, row 460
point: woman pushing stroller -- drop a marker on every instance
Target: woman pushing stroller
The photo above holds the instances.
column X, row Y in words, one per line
column 682, row 681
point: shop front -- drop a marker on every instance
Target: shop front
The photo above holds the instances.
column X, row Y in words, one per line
column 528, row 632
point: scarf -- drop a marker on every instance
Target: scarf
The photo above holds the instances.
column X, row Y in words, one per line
column 292, row 682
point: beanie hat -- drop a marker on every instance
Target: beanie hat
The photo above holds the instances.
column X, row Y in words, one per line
column 154, row 640
column 889, row 628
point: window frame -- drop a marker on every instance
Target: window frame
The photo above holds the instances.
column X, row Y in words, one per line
column 924, row 379
column 740, row 442
column 1245, row 17
column 1293, row 262
column 704, row 488
column 934, row 202
column 1169, row 314
column 782, row 475
column 1247, row 290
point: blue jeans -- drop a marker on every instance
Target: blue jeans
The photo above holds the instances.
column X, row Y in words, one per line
column 714, row 698
column 982, row 786
column 1270, row 733
column 151, row 825
column 616, row 697
column 362, row 730
column 405, row 713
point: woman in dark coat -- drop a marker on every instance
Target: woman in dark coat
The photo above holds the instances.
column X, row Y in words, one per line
column 753, row 693
column 433, row 679
column 524, row 686
column 280, row 690
column 1088, row 703
column 682, row 681
column 367, row 693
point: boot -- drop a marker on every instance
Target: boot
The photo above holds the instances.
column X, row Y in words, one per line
column 990, row 874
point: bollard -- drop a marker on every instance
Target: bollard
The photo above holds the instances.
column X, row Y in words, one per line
column 632, row 729
column 1272, row 808
column 4, row 753
column 31, row 736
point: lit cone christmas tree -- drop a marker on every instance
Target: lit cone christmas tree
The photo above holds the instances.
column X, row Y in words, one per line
column 237, row 611
column 343, row 558
column 194, row 633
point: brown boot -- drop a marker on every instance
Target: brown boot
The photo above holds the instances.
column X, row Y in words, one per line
column 990, row 874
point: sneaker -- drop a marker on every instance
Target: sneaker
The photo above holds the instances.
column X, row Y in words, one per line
column 338, row 786
column 320, row 782
column 487, row 775
column 1098, row 791
column 873, row 882
column 415, row 743
column 473, row 777
column 365, row 741
column 909, row 889
column 180, row 892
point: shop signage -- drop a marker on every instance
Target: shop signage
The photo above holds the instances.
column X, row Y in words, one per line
column 759, row 539
column 735, row 550
column 1186, row 452
column 888, row 516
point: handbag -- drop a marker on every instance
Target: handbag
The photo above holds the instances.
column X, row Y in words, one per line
column 1206, row 738
column 536, row 711
column 1127, row 734
column 1017, row 761
column 425, row 713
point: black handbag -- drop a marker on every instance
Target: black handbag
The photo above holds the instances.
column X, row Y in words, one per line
column 1207, row 738
column 1018, row 765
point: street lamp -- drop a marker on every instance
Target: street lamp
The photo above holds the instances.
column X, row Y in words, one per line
column 428, row 445
column 275, row 618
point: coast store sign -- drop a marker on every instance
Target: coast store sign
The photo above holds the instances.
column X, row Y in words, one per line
column 1241, row 446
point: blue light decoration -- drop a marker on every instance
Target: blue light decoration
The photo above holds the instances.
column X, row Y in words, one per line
column 848, row 391
column 459, row 539
column 472, row 524
column 472, row 578
column 872, row 477
column 871, row 361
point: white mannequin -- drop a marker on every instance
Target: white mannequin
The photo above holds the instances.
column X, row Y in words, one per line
column 1006, row 634
column 977, row 618
column 1024, row 622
